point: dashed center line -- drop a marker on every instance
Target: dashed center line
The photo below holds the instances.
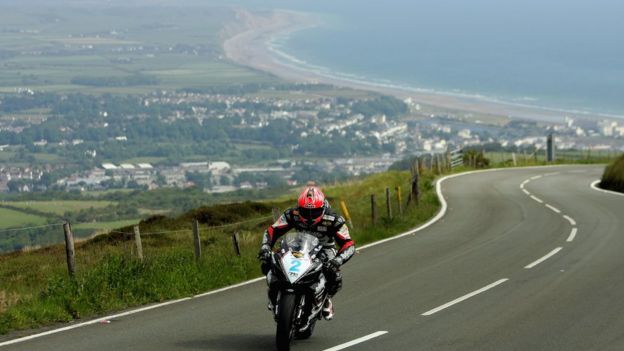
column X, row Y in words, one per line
column 572, row 235
column 537, row 199
column 357, row 341
column 526, row 192
column 570, row 219
column 549, row 255
column 553, row 208
column 465, row 297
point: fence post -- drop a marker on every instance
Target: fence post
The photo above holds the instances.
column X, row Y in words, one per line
column 196, row 240
column 235, row 243
column 399, row 200
column 420, row 165
column 345, row 212
column 388, row 203
column 513, row 158
column 69, row 249
column 137, row 240
column 373, row 209
column 414, row 190
column 276, row 214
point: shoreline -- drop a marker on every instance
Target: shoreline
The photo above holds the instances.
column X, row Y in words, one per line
column 254, row 47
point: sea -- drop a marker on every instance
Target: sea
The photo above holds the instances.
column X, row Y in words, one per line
column 559, row 54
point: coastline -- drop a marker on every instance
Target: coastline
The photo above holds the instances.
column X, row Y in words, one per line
column 254, row 47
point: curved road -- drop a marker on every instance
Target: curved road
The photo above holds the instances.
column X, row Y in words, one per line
column 524, row 259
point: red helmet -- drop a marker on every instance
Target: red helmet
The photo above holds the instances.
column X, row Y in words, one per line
column 311, row 205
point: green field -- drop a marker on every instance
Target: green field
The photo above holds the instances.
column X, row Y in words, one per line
column 60, row 207
column 179, row 46
column 11, row 219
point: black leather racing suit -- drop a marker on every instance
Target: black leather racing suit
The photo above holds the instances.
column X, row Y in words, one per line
column 331, row 230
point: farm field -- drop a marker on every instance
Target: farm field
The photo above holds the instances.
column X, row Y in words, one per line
column 11, row 219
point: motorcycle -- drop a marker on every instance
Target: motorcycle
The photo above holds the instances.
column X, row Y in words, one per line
column 300, row 285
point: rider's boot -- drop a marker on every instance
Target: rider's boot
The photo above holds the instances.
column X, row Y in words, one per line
column 328, row 310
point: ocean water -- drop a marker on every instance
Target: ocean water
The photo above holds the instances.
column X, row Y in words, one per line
column 564, row 54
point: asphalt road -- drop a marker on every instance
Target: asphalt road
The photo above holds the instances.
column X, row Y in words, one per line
column 500, row 271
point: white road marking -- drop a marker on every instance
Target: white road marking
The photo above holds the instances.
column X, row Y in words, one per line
column 439, row 215
column 357, row 341
column 525, row 182
column 537, row 199
column 526, row 192
column 95, row 321
column 570, row 219
column 465, row 297
column 572, row 235
column 522, row 186
column 536, row 177
column 594, row 186
column 553, row 208
column 549, row 255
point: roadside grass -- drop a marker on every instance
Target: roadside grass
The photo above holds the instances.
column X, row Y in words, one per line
column 613, row 176
column 35, row 289
column 505, row 159
column 10, row 219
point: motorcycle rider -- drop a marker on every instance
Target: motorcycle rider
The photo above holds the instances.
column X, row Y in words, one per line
column 312, row 215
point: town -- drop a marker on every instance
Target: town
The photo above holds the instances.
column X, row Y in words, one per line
column 244, row 137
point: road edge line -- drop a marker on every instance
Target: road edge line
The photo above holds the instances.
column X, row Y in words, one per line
column 594, row 185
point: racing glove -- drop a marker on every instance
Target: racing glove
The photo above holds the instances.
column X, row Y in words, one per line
column 264, row 255
column 334, row 264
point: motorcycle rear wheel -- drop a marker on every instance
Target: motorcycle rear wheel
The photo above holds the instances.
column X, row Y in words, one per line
column 285, row 319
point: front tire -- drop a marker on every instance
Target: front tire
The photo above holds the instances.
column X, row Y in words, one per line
column 285, row 319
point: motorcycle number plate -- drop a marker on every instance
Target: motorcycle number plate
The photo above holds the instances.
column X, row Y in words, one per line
column 295, row 267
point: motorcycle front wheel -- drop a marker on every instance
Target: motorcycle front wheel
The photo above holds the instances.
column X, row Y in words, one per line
column 285, row 319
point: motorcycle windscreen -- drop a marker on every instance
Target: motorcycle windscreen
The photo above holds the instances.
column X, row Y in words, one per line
column 296, row 260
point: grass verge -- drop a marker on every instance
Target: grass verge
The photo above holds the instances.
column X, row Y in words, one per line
column 613, row 176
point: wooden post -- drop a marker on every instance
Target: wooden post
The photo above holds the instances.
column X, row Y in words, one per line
column 399, row 200
column 276, row 214
column 345, row 212
column 439, row 163
column 137, row 241
column 373, row 209
column 388, row 203
column 414, row 194
column 420, row 165
column 196, row 240
column 513, row 158
column 235, row 243
column 69, row 249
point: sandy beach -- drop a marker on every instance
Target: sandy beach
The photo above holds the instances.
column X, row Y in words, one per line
column 252, row 47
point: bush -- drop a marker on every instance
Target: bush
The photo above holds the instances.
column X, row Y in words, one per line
column 613, row 176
